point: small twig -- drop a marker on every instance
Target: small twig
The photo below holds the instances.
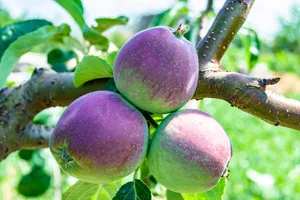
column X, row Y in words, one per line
column 135, row 173
column 268, row 81
column 226, row 25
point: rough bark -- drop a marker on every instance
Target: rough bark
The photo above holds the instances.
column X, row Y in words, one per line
column 250, row 95
column 19, row 105
column 226, row 25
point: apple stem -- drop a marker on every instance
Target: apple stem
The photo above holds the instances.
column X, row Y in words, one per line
column 149, row 119
column 180, row 31
column 135, row 173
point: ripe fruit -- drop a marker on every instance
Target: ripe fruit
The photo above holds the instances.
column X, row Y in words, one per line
column 157, row 70
column 189, row 152
column 100, row 138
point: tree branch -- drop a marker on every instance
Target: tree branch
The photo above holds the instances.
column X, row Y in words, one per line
column 19, row 105
column 248, row 94
column 209, row 6
column 36, row 136
column 226, row 25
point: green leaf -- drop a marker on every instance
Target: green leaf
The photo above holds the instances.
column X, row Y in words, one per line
column 106, row 23
column 95, row 38
column 174, row 195
column 79, row 4
column 84, row 191
column 72, row 43
column 180, row 9
column 49, row 116
column 12, row 32
column 144, row 170
column 75, row 9
column 90, row 68
column 134, row 190
column 35, row 183
column 57, row 56
column 171, row 17
column 112, row 57
column 157, row 20
column 215, row 193
column 60, row 42
column 110, row 85
column 26, row 154
column 25, row 43
column 251, row 45
column 158, row 118
column 60, row 67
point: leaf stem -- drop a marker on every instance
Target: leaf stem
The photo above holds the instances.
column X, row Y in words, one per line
column 135, row 173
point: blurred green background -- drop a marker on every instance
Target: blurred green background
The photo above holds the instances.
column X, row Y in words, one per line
column 266, row 159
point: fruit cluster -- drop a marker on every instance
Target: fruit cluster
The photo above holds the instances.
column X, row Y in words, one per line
column 104, row 136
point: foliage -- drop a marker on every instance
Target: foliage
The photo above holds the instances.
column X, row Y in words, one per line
column 280, row 55
column 91, row 67
column 26, row 154
column 6, row 18
column 82, row 190
column 25, row 43
column 133, row 190
column 12, row 32
column 213, row 194
column 105, row 23
column 171, row 16
column 251, row 45
column 288, row 38
column 49, row 116
column 35, row 183
column 17, row 174
column 282, row 61
column 75, row 9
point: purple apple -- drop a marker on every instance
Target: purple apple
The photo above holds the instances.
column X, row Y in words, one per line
column 100, row 138
column 190, row 152
column 157, row 70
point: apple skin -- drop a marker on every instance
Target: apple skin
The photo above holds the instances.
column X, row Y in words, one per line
column 157, row 70
column 189, row 152
column 100, row 138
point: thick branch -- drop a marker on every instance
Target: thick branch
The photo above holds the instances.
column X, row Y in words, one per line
column 36, row 136
column 248, row 94
column 52, row 89
column 19, row 105
column 226, row 25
